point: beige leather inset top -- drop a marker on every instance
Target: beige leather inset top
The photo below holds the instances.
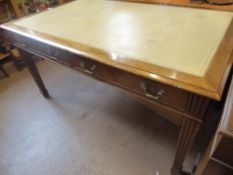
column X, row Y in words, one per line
column 182, row 39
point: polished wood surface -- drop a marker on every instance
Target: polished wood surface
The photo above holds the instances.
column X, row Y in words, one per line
column 208, row 82
column 185, row 3
column 185, row 93
column 125, row 80
column 166, row 113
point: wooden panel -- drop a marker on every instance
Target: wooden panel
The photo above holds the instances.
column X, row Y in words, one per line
column 158, row 92
column 169, row 115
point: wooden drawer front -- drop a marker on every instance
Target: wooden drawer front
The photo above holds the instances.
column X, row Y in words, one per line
column 158, row 92
column 161, row 93
column 37, row 47
column 155, row 91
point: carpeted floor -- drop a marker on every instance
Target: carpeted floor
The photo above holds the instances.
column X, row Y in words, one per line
column 86, row 128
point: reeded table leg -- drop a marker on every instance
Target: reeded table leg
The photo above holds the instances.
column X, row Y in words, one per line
column 193, row 117
column 34, row 71
column 188, row 132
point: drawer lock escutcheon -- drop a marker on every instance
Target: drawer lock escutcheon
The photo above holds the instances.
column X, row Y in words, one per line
column 89, row 70
column 147, row 93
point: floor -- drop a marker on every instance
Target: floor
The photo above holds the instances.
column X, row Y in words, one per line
column 86, row 128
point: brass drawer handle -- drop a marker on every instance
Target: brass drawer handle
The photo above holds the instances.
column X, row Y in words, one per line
column 49, row 51
column 52, row 53
column 56, row 54
column 90, row 70
column 157, row 96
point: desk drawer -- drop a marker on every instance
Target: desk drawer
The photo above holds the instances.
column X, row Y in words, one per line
column 155, row 91
column 158, row 92
column 37, row 47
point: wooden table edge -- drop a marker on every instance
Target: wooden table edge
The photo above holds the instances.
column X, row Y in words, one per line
column 183, row 4
column 199, row 85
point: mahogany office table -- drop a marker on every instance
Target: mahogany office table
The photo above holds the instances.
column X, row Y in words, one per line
column 177, row 57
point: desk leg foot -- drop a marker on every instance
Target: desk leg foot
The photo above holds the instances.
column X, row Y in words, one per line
column 188, row 132
column 34, row 72
column 45, row 93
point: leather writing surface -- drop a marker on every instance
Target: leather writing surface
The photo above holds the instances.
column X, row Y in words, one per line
column 182, row 39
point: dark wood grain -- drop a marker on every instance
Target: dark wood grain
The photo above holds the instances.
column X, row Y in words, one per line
column 34, row 72
column 187, row 135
